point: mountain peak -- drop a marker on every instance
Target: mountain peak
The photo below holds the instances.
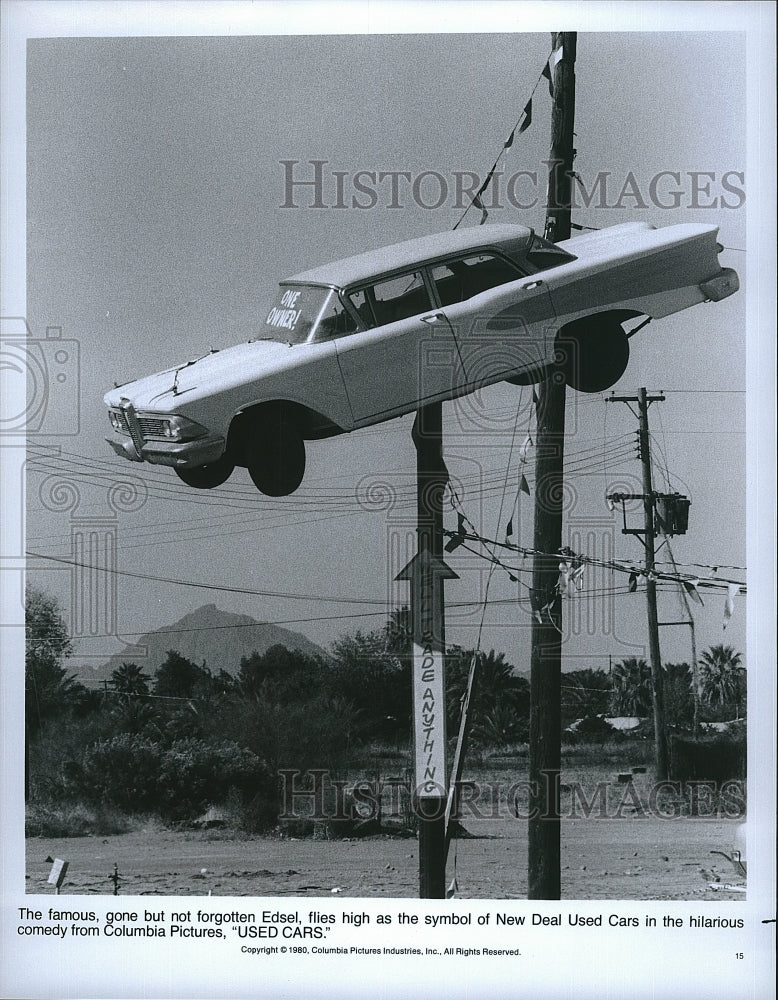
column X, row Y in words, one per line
column 209, row 635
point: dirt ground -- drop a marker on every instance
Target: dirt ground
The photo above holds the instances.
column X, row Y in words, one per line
column 627, row 858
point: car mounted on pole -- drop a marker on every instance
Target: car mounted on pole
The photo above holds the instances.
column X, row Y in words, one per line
column 359, row 341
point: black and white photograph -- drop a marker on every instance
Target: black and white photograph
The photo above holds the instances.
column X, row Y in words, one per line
column 388, row 499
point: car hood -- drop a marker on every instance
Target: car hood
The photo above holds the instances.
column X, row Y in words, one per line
column 164, row 390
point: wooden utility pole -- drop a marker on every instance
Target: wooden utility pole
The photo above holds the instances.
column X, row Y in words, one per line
column 426, row 573
column 643, row 401
column 545, row 724
column 657, row 685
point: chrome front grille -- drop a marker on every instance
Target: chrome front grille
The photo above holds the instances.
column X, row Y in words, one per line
column 128, row 412
column 151, row 427
column 125, row 427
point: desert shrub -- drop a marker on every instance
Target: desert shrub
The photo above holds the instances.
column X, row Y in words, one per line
column 194, row 774
column 318, row 732
column 138, row 774
column 594, row 729
column 716, row 757
column 260, row 812
column 121, row 770
column 73, row 820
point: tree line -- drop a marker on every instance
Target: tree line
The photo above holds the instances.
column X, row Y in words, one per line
column 178, row 738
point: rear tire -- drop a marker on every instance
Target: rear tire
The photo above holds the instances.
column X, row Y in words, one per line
column 207, row 477
column 593, row 354
column 274, row 451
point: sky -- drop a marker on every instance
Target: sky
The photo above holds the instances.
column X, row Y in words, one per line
column 156, row 230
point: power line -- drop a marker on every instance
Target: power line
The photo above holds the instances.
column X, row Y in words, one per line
column 208, row 586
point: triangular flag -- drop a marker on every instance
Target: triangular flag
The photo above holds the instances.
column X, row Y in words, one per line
column 509, row 141
column 527, row 117
column 512, row 578
column 509, row 529
column 564, row 578
column 524, row 485
column 535, row 397
column 548, row 70
column 458, row 538
column 633, row 582
column 691, row 590
column 729, row 605
column 479, row 204
column 453, row 888
column 547, row 74
column 577, row 577
column 488, row 178
column 523, row 449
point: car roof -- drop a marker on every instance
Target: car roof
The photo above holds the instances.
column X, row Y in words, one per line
column 399, row 256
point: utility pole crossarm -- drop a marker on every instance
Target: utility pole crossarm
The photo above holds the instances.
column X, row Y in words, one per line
column 634, row 399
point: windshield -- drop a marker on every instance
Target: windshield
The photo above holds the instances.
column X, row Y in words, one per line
column 295, row 313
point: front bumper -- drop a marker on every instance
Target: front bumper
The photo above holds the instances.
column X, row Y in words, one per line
column 180, row 455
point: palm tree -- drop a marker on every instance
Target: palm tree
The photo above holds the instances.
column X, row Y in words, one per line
column 721, row 676
column 500, row 727
column 499, row 693
column 631, row 681
column 129, row 681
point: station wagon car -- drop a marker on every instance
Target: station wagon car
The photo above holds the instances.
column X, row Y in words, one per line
column 369, row 338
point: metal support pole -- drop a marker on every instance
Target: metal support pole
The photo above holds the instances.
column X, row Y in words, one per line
column 545, row 724
column 429, row 639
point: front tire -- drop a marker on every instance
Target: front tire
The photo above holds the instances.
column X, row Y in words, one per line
column 275, row 453
column 207, row 477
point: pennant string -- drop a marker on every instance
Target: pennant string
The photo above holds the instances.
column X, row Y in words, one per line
column 523, row 123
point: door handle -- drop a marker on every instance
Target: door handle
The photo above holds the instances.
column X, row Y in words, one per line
column 534, row 284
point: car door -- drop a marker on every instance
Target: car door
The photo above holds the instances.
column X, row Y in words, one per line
column 405, row 358
column 504, row 321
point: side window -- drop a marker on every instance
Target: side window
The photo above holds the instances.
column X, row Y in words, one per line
column 399, row 298
column 362, row 306
column 335, row 321
column 460, row 279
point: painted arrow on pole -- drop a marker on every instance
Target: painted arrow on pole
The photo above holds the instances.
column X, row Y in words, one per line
column 426, row 573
